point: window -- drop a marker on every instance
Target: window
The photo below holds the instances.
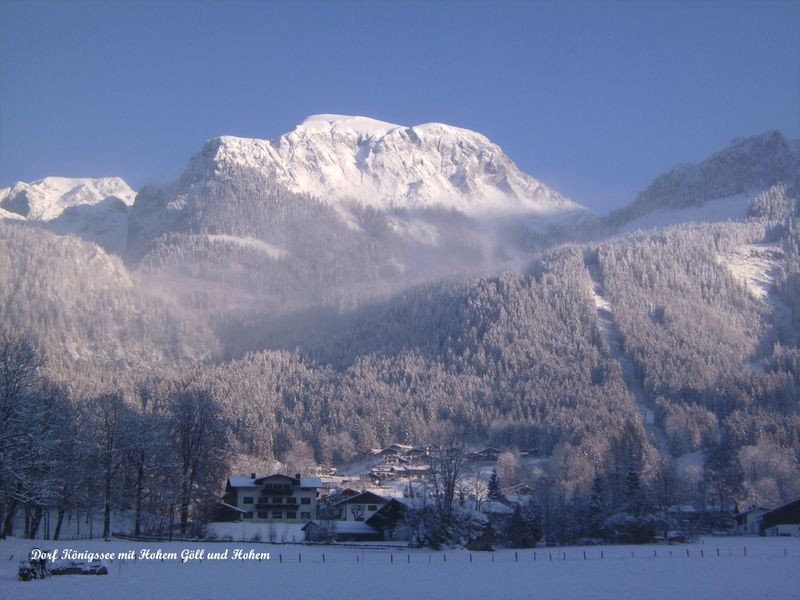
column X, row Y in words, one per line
column 262, row 514
column 372, row 507
column 277, row 514
column 277, row 500
column 248, row 515
column 291, row 515
column 248, row 500
column 291, row 500
column 305, row 515
column 305, row 500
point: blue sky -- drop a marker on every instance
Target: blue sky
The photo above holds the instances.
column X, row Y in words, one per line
column 593, row 98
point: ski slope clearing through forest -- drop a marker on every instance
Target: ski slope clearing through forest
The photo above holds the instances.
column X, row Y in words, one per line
column 616, row 348
column 713, row 569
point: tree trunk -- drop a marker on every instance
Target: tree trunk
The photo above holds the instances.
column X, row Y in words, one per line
column 139, row 491
column 107, row 508
column 8, row 524
column 36, row 520
column 171, row 519
column 184, row 513
column 59, row 521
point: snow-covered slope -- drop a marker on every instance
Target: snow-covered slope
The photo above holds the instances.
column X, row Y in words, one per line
column 46, row 199
column 93, row 209
column 731, row 208
column 387, row 166
column 714, row 189
column 755, row 266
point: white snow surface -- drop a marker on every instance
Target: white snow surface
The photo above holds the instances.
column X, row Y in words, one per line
column 731, row 208
column 755, row 266
column 769, row 571
column 47, row 198
column 386, row 166
column 95, row 210
column 5, row 214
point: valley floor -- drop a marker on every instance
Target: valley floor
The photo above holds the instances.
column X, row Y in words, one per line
column 716, row 568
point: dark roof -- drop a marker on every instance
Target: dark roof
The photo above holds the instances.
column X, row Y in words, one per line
column 388, row 515
column 362, row 498
column 788, row 514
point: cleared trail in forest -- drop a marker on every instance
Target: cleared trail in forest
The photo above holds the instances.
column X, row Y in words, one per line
column 613, row 336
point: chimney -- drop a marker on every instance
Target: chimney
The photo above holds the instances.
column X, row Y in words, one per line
column 252, row 475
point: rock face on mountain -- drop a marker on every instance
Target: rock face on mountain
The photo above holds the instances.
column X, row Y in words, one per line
column 386, row 166
column 93, row 209
column 729, row 178
column 46, row 199
column 357, row 161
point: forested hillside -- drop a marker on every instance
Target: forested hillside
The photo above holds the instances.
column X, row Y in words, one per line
column 81, row 306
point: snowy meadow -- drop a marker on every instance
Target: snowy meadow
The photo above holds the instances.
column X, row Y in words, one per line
column 723, row 568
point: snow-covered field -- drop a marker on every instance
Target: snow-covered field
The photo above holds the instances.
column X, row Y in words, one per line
column 769, row 570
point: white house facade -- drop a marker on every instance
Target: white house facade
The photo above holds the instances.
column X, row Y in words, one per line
column 274, row 498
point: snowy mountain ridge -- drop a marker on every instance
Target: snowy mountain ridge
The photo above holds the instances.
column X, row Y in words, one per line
column 386, row 166
column 93, row 209
column 748, row 165
column 46, row 199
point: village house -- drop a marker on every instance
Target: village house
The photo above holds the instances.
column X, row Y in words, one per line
column 784, row 520
column 359, row 507
column 274, row 498
column 750, row 522
column 488, row 455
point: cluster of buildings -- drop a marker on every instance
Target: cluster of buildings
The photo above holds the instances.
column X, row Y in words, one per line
column 281, row 498
column 327, row 509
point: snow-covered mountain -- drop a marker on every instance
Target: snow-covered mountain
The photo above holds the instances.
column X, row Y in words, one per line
column 341, row 210
column 46, row 199
column 716, row 189
column 93, row 209
column 387, row 166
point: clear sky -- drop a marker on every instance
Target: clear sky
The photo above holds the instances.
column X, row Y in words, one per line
column 592, row 98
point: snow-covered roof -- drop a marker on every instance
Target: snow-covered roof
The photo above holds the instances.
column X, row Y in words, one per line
column 231, row 507
column 310, row 482
column 239, row 482
column 493, row 507
column 754, row 509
